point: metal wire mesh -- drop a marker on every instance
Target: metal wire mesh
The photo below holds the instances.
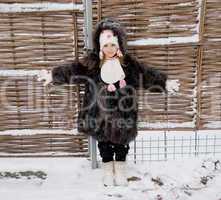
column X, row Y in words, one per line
column 166, row 146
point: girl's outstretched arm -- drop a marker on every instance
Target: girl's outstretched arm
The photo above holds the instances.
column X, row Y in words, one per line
column 156, row 81
column 148, row 77
column 153, row 79
column 73, row 72
column 69, row 73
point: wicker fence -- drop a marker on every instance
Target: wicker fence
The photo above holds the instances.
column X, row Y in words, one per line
column 35, row 120
column 181, row 38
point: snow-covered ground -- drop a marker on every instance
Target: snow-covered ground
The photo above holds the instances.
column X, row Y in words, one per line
column 73, row 179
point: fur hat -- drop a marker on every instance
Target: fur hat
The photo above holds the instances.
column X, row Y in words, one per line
column 118, row 31
column 106, row 37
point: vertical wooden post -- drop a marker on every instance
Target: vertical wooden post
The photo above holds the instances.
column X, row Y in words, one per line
column 99, row 10
column 200, row 62
column 75, row 40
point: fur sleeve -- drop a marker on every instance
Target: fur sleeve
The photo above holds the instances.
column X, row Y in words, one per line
column 74, row 72
column 68, row 73
column 152, row 79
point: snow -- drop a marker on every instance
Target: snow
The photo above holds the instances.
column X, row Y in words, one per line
column 156, row 125
column 43, row 7
column 165, row 41
column 19, row 132
column 194, row 98
column 45, row 154
column 185, row 4
column 21, row 72
column 214, row 39
column 213, row 124
column 73, row 179
column 200, row 3
column 162, row 20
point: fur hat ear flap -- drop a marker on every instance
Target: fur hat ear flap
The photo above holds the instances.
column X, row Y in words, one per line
column 101, row 55
column 119, row 53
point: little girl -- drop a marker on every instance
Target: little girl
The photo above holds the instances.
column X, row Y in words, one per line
column 109, row 112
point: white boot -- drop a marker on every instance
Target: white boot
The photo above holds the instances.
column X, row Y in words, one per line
column 120, row 169
column 108, row 173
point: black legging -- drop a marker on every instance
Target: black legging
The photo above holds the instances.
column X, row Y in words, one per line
column 107, row 150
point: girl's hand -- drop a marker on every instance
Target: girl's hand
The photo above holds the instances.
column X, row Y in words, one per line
column 45, row 76
column 172, row 86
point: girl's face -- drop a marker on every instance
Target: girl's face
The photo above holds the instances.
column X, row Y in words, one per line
column 109, row 50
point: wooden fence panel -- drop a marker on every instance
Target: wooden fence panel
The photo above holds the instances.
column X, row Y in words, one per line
column 154, row 19
column 210, row 112
column 43, row 145
column 26, row 104
column 38, row 40
column 180, row 37
column 30, row 113
column 165, row 35
column 174, row 111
